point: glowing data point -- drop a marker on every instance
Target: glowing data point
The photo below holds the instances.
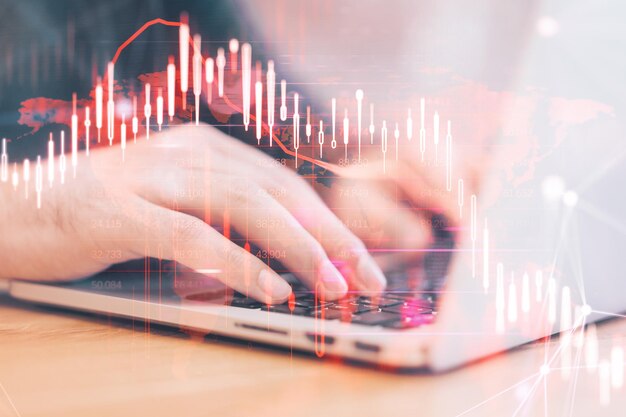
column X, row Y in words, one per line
column 171, row 88
column 296, row 126
column 320, row 137
column 233, row 48
column 333, row 102
column 110, row 104
column 271, row 95
column 258, row 101
column 135, row 120
column 99, row 102
column 308, row 124
column 436, row 135
column 38, row 181
column 197, row 74
column 159, row 104
column 50, row 161
column 570, row 198
column 62, row 161
column 538, row 286
column 422, row 128
column 383, row 144
column 123, row 136
column 552, row 188
column 485, row 257
column 547, row 26
column 15, row 177
column 473, row 227
column 544, row 370
column 87, row 127
column 147, row 109
column 449, row 158
column 208, row 78
column 183, row 44
column 346, row 133
column 359, row 107
column 283, row 100
column 396, row 135
column 220, row 62
column 74, row 135
column 586, row 310
column 566, row 309
column 372, row 127
column 246, row 79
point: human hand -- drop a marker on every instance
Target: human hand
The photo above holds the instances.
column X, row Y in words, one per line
column 395, row 207
column 167, row 199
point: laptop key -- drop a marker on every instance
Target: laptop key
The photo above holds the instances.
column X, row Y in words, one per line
column 409, row 322
column 284, row 308
column 380, row 301
column 374, row 317
column 249, row 303
column 309, row 301
column 352, row 307
column 407, row 309
column 327, row 314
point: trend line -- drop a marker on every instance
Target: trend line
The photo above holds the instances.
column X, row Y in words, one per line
column 159, row 21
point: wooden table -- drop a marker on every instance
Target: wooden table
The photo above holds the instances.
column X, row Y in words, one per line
column 56, row 363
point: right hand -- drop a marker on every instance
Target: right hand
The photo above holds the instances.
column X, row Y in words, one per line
column 155, row 204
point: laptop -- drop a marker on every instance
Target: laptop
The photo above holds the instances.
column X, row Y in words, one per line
column 552, row 263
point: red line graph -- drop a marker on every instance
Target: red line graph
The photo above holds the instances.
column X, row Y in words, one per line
column 159, row 21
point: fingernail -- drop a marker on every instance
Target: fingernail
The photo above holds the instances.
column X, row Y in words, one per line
column 332, row 280
column 273, row 286
column 371, row 275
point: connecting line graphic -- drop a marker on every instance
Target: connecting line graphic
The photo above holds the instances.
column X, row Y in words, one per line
column 577, row 369
column 493, row 397
column 159, row 21
column 545, row 369
column 6, row 394
column 606, row 313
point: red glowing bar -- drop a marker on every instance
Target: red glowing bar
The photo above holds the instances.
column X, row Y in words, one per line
column 183, row 43
column 171, row 87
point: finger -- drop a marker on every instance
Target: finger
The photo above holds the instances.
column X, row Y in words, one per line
column 395, row 233
column 268, row 224
column 343, row 247
column 162, row 233
column 426, row 192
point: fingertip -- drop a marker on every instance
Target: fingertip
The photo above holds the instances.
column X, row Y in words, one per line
column 275, row 289
column 371, row 276
column 333, row 283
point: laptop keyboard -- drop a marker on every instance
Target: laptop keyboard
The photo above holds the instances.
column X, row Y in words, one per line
column 399, row 307
column 409, row 300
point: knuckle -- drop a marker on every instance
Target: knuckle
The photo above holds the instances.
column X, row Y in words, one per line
column 238, row 192
column 235, row 257
column 347, row 247
column 189, row 228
